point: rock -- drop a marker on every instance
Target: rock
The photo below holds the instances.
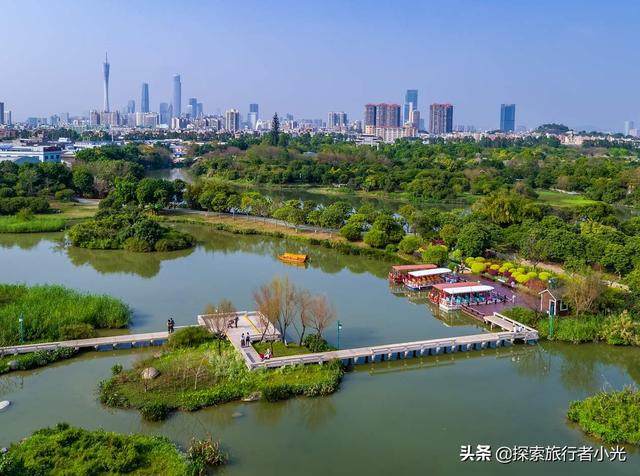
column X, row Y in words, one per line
column 253, row 397
column 4, row 404
column 157, row 355
column 13, row 364
column 150, row 373
column 236, row 415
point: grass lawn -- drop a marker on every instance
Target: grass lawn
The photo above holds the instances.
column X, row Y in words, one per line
column 210, row 374
column 560, row 199
column 281, row 350
column 75, row 210
column 37, row 224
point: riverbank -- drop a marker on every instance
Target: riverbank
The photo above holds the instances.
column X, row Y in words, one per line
column 241, row 225
column 206, row 375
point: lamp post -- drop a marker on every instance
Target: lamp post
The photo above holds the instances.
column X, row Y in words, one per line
column 339, row 329
column 21, row 323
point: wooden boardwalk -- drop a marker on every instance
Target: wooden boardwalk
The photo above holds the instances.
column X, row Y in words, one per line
column 98, row 343
column 257, row 327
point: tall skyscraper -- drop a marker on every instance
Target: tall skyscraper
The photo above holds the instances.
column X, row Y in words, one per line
column 628, row 125
column 232, row 120
column 370, row 115
column 440, row 118
column 193, row 103
column 200, row 111
column 165, row 113
column 414, row 118
column 131, row 106
column 177, row 96
column 1, row 113
column 105, row 71
column 144, row 98
column 337, row 120
column 410, row 102
column 254, row 108
column 508, row 117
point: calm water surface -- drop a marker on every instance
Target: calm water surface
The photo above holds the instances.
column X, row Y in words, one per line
column 399, row 417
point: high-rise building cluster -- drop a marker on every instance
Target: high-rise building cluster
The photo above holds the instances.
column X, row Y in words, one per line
column 337, row 121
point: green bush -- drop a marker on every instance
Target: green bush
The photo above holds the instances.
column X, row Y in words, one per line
column 64, row 195
column 409, row 244
column 136, row 245
column 315, row 343
column 191, row 336
column 12, row 205
column 74, row 451
column 77, row 331
column 524, row 315
column 435, row 254
column 206, row 453
column 351, row 232
column 478, row 268
column 621, row 329
column 572, row 329
column 37, row 359
column 612, row 416
column 34, row 224
column 155, row 411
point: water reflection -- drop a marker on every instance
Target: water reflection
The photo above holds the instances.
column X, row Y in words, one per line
column 28, row 241
column 146, row 265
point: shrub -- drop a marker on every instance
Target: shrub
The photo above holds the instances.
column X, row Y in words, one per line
column 495, row 267
column 77, row 331
column 40, row 358
column 155, row 411
column 478, row 268
column 206, row 452
column 315, row 343
column 24, row 214
column 189, row 337
column 136, row 245
column 612, row 416
column 524, row 315
column 375, row 238
column 351, row 232
column 116, row 369
column 64, row 195
column 391, row 248
column 621, row 330
column 544, row 276
column 409, row 244
column 435, row 254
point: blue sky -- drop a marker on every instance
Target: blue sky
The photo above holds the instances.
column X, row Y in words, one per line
column 567, row 61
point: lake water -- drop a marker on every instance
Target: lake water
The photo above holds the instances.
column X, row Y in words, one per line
column 398, row 417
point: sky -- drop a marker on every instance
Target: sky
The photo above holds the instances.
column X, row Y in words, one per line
column 568, row 61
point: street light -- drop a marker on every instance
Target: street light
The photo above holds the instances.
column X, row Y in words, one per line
column 21, row 323
column 339, row 329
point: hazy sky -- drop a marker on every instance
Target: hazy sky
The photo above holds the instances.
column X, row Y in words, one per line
column 570, row 61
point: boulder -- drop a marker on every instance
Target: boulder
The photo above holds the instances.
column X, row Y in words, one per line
column 4, row 404
column 13, row 364
column 150, row 373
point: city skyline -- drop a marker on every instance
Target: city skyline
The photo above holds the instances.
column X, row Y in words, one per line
column 586, row 89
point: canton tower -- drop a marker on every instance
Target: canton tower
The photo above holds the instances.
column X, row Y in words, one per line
column 105, row 70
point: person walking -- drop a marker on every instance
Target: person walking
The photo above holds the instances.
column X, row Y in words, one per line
column 242, row 340
column 172, row 325
column 235, row 321
column 169, row 326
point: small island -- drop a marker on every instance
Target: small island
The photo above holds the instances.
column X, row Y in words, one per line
column 68, row 450
column 613, row 417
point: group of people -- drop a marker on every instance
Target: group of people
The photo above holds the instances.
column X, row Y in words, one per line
column 245, row 341
column 170, row 325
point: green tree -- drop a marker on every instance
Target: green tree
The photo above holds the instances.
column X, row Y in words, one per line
column 474, row 238
column 274, row 134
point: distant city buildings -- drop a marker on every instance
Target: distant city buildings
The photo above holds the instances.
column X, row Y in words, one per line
column 2, row 113
column 440, row 119
column 105, row 72
column 337, row 121
column 628, row 127
column 131, row 106
column 507, row 117
column 382, row 115
column 144, row 98
column 165, row 113
column 192, row 107
column 177, row 96
column 410, row 103
column 232, row 120
column 253, row 116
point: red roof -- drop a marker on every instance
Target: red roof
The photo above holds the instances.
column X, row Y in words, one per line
column 413, row 267
column 441, row 286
